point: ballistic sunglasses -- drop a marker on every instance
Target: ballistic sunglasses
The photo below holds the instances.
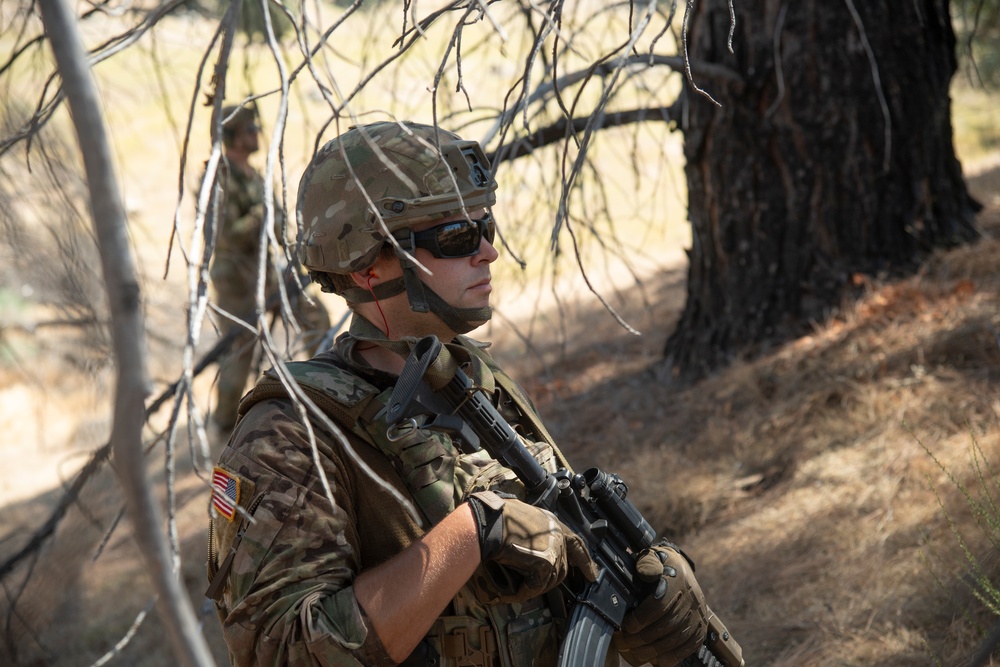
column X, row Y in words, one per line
column 459, row 238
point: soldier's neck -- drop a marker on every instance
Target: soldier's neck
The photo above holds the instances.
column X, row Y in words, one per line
column 380, row 358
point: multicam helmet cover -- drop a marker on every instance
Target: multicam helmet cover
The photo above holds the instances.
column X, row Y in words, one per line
column 376, row 179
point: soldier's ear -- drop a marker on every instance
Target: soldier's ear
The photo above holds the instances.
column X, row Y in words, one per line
column 360, row 278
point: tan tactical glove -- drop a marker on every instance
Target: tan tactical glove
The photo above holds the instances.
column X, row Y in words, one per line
column 526, row 550
column 671, row 623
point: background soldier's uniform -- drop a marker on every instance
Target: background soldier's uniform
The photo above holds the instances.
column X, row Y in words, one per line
column 234, row 282
column 287, row 597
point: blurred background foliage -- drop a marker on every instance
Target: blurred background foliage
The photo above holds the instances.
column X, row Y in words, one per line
column 977, row 28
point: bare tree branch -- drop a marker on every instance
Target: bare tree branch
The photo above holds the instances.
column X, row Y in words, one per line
column 127, row 332
column 608, row 67
column 45, row 110
column 558, row 131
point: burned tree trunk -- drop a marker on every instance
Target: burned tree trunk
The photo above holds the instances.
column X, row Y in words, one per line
column 833, row 157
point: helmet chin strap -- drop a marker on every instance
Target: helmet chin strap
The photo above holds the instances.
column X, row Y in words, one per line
column 459, row 320
column 423, row 300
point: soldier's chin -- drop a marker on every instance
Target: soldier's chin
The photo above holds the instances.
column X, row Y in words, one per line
column 479, row 323
column 475, row 324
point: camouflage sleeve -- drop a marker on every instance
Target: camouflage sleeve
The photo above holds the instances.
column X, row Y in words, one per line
column 289, row 598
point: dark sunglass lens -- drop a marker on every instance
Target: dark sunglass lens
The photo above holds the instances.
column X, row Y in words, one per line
column 458, row 239
column 489, row 227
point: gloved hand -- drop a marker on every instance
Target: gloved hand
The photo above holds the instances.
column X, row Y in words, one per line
column 526, row 550
column 671, row 623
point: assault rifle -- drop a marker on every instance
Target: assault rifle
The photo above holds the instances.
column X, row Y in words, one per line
column 592, row 503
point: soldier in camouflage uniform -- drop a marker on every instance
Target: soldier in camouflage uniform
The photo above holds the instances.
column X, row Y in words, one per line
column 349, row 541
column 235, row 261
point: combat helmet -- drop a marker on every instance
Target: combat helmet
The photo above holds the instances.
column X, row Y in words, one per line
column 377, row 180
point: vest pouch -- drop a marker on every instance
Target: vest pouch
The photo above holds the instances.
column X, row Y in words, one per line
column 424, row 460
column 529, row 632
column 462, row 641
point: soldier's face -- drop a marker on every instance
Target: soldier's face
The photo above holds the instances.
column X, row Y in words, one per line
column 463, row 282
column 248, row 138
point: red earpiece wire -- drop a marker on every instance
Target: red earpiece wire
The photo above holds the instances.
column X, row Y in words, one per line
column 377, row 304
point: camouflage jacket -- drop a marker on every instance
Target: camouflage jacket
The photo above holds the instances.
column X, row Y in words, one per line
column 237, row 243
column 287, row 598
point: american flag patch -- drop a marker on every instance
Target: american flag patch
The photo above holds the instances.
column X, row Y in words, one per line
column 225, row 493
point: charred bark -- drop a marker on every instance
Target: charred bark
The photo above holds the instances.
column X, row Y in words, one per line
column 834, row 157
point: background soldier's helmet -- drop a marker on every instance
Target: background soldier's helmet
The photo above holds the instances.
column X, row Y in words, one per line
column 376, row 179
